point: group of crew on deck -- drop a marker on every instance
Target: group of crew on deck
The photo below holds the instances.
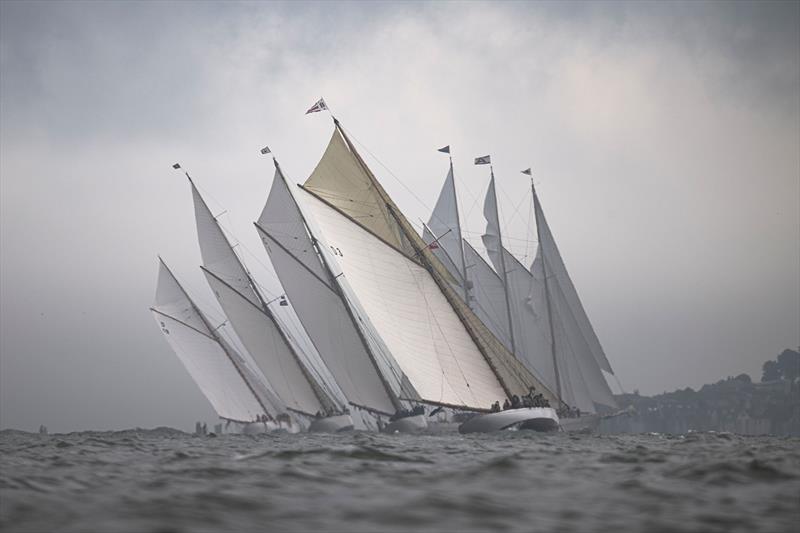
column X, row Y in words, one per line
column 331, row 412
column 404, row 413
column 532, row 399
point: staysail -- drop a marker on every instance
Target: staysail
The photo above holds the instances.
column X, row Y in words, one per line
column 210, row 362
column 320, row 303
column 449, row 356
column 254, row 322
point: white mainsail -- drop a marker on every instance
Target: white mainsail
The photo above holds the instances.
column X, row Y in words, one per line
column 253, row 321
column 411, row 315
column 319, row 302
column 448, row 355
column 210, row 362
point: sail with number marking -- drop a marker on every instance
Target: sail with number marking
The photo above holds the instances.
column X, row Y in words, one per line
column 212, row 364
column 277, row 357
column 319, row 302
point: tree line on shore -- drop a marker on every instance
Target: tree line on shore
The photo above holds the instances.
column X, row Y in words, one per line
column 736, row 404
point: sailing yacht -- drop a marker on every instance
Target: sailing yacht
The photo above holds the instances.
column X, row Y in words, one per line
column 295, row 380
column 236, row 392
column 400, row 321
column 410, row 339
column 535, row 312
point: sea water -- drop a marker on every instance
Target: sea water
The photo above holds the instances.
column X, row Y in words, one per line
column 164, row 480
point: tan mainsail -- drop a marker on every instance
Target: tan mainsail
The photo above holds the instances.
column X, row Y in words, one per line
column 343, row 179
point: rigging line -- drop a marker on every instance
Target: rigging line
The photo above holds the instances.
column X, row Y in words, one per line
column 417, row 198
column 528, row 229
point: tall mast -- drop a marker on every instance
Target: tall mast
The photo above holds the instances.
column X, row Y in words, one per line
column 536, row 208
column 460, row 241
column 336, row 287
column 322, row 397
column 216, row 336
column 503, row 265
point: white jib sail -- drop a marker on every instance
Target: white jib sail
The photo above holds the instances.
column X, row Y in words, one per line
column 317, row 303
column 410, row 313
column 204, row 358
column 582, row 382
column 557, row 268
column 259, row 334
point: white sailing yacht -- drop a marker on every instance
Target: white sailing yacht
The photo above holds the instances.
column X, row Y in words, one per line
column 235, row 392
column 388, row 296
column 295, row 380
column 535, row 312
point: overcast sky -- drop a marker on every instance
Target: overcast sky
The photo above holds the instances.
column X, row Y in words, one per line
column 663, row 139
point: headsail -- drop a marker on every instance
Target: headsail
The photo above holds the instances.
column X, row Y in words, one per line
column 208, row 361
column 319, row 302
column 254, row 322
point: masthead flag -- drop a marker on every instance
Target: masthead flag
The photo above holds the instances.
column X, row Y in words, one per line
column 445, row 150
column 176, row 166
column 319, row 106
column 266, row 150
column 527, row 171
column 485, row 160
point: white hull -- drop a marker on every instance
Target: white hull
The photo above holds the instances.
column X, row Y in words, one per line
column 537, row 418
column 409, row 424
column 331, row 424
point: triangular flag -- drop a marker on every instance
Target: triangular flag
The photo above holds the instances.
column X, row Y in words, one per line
column 319, row 106
column 527, row 171
column 266, row 150
column 445, row 150
column 485, row 160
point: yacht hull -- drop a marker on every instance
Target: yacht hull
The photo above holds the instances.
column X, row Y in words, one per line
column 536, row 418
column 331, row 424
column 409, row 424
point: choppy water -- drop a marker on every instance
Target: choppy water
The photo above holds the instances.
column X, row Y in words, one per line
column 165, row 480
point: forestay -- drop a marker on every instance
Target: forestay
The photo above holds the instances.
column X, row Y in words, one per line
column 317, row 302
